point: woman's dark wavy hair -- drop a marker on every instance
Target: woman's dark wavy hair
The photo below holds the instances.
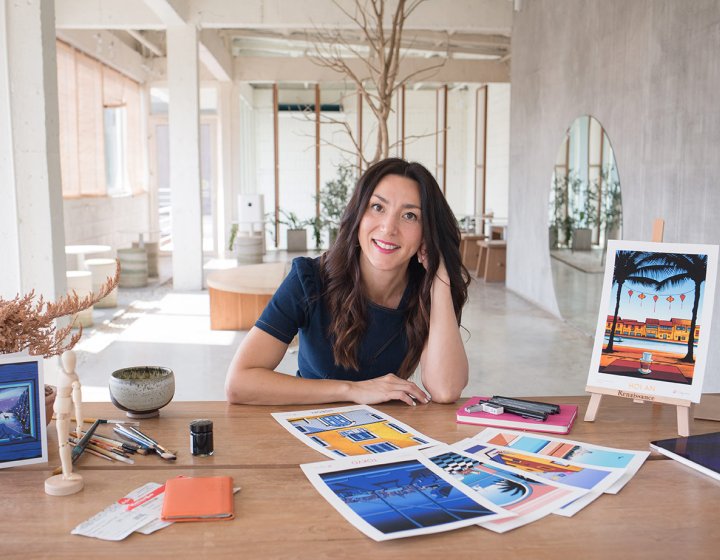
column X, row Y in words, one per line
column 343, row 290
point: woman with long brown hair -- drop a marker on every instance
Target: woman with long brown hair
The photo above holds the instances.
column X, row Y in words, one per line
column 385, row 298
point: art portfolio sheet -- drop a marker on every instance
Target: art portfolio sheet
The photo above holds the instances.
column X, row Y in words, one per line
column 584, row 453
column 527, row 496
column 653, row 328
column 351, row 430
column 594, row 480
column 398, row 495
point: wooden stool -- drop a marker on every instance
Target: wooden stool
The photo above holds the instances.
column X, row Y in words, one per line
column 469, row 250
column 491, row 261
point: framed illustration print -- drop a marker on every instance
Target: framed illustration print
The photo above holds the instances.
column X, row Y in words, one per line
column 653, row 327
column 23, row 433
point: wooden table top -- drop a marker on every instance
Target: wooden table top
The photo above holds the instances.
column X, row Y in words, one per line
column 667, row 510
column 248, row 436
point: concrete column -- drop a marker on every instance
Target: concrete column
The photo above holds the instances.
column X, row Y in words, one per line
column 184, row 130
column 227, row 113
column 32, row 238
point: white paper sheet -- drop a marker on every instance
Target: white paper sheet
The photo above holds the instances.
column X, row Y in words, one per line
column 594, row 480
column 526, row 496
column 575, row 451
column 351, row 430
column 395, row 495
column 138, row 511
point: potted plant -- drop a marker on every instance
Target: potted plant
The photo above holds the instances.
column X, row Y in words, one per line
column 333, row 200
column 296, row 234
column 583, row 210
column 558, row 231
column 247, row 248
column 28, row 323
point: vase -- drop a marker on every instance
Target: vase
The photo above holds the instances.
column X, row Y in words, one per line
column 50, row 394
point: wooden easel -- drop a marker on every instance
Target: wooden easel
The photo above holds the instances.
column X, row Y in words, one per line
column 684, row 407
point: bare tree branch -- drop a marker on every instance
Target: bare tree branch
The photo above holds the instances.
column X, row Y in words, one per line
column 382, row 63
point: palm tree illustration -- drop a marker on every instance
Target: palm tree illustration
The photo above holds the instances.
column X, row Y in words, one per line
column 677, row 269
column 512, row 487
column 630, row 266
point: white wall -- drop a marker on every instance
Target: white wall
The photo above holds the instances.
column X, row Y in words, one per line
column 105, row 221
column 648, row 71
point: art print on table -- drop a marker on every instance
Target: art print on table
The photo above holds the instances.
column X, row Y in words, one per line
column 528, row 497
column 397, row 495
column 351, row 430
column 654, row 324
column 575, row 451
column 594, row 480
column 23, row 433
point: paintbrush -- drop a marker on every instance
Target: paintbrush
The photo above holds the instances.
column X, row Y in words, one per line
column 112, row 447
column 108, row 453
column 159, row 449
column 127, row 447
column 58, row 470
column 106, row 421
column 132, row 437
column 80, row 446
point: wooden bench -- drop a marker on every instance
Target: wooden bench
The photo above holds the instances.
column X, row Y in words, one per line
column 239, row 295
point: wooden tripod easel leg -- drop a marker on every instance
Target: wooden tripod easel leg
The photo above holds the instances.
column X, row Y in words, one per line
column 593, row 406
column 683, row 419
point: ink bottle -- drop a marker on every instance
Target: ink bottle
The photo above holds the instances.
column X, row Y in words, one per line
column 201, row 438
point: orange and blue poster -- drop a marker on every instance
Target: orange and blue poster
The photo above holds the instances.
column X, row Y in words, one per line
column 654, row 323
column 351, row 430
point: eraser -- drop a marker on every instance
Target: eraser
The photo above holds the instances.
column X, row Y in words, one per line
column 492, row 408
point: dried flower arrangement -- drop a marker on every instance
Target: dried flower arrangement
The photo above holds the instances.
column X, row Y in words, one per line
column 29, row 324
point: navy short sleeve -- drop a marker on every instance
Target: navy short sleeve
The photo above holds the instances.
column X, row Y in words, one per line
column 289, row 309
column 297, row 308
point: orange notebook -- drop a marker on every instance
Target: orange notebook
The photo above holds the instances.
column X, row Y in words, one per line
column 198, row 499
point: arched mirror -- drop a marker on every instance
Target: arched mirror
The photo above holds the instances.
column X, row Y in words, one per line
column 584, row 211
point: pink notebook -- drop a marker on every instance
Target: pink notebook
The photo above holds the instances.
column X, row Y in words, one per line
column 559, row 423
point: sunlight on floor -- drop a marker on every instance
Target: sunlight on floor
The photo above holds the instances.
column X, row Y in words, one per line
column 176, row 318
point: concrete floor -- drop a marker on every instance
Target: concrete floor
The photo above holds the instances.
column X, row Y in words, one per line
column 514, row 347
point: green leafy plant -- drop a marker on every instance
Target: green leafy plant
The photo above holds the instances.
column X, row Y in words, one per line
column 333, row 200
column 292, row 221
column 583, row 202
column 558, row 221
column 233, row 236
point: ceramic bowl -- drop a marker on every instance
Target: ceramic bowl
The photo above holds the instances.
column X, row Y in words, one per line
column 50, row 394
column 141, row 391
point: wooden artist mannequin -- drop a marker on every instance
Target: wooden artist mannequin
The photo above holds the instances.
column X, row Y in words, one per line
column 68, row 393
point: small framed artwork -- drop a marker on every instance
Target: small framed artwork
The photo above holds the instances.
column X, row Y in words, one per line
column 653, row 328
column 23, row 432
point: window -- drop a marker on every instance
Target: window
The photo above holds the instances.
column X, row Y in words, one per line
column 335, row 421
column 358, row 434
column 380, row 447
column 102, row 146
column 115, row 134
